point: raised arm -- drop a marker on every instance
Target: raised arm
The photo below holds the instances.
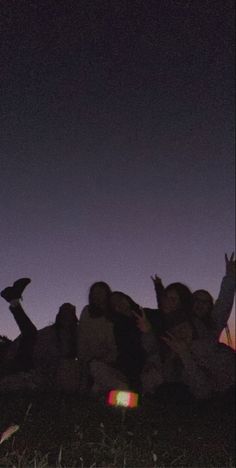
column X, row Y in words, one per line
column 159, row 288
column 224, row 303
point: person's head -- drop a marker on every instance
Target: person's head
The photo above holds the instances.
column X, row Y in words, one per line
column 202, row 304
column 175, row 297
column 179, row 324
column 99, row 296
column 66, row 316
column 122, row 304
column 183, row 332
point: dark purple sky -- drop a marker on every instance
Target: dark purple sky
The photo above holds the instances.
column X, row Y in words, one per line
column 117, row 147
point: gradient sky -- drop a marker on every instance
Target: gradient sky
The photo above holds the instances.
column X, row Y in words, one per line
column 117, row 148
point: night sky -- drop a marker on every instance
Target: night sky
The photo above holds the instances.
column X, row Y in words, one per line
column 116, row 148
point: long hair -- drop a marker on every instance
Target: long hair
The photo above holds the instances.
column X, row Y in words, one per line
column 64, row 308
column 182, row 314
column 94, row 309
column 204, row 291
column 58, row 326
column 207, row 319
column 185, row 296
column 131, row 354
column 133, row 305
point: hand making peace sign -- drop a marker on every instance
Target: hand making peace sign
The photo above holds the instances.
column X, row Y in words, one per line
column 230, row 264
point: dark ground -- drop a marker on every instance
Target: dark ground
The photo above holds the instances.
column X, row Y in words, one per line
column 65, row 431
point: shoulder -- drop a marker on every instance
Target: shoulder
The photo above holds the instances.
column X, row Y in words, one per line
column 46, row 330
column 46, row 333
column 84, row 313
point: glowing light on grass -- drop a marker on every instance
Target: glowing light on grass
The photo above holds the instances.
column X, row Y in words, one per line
column 122, row 398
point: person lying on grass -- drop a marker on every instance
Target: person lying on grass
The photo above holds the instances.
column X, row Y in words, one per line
column 37, row 353
column 18, row 353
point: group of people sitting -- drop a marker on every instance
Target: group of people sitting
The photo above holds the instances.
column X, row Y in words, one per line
column 117, row 344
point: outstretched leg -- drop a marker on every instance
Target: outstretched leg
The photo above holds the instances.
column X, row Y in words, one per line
column 23, row 359
column 13, row 295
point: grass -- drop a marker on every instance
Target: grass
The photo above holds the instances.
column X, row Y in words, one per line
column 67, row 431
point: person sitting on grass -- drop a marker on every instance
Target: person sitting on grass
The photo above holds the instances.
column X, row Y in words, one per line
column 95, row 338
column 125, row 370
column 209, row 318
column 200, row 365
column 174, row 298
